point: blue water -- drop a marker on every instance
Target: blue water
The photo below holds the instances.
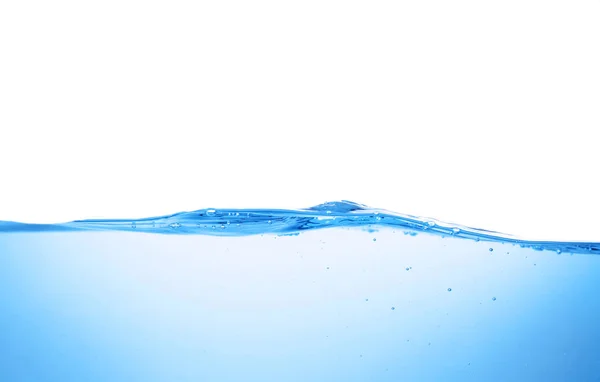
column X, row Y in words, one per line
column 337, row 292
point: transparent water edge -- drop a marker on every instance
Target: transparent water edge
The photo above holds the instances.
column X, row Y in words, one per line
column 242, row 222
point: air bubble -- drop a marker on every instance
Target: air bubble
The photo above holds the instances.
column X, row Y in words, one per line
column 491, row 249
column 455, row 230
column 393, row 308
column 210, row 212
column 174, row 225
column 449, row 289
column 133, row 225
column 374, row 239
column 408, row 269
column 558, row 251
column 493, row 298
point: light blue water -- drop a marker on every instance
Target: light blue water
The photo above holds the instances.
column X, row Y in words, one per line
column 265, row 295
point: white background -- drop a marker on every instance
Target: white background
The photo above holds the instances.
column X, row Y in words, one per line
column 475, row 112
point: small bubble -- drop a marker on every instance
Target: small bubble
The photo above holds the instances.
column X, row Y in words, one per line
column 493, row 298
column 327, row 267
column 431, row 223
column 491, row 249
column 407, row 269
column 374, row 239
column 393, row 308
column 361, row 356
column 269, row 222
column 477, row 239
column 366, row 299
column 133, row 225
column 222, row 226
column 449, row 289
column 455, row 230
column 558, row 251
column 210, row 212
column 174, row 225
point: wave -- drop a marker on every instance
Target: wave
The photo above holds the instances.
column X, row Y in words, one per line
column 244, row 222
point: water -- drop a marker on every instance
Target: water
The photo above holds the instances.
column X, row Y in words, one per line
column 338, row 292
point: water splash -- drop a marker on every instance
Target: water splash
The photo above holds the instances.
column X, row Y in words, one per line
column 244, row 222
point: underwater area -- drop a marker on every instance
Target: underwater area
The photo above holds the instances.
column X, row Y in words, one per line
column 336, row 292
